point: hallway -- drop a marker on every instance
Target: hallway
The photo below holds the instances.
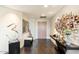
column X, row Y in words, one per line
column 40, row 46
column 24, row 25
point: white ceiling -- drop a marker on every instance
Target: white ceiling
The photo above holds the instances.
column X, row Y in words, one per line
column 37, row 10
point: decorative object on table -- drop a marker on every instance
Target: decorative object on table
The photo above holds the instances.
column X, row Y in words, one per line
column 67, row 32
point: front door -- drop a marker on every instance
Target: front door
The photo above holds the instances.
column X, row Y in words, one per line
column 42, row 30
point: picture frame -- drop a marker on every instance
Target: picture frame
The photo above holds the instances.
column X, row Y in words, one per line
column 25, row 26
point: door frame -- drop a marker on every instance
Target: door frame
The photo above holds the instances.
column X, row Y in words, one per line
column 48, row 27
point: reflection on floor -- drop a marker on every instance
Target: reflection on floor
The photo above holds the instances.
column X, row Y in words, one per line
column 40, row 46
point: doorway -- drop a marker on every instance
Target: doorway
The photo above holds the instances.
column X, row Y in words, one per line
column 42, row 30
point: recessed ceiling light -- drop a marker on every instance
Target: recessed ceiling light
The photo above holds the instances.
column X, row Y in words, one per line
column 45, row 6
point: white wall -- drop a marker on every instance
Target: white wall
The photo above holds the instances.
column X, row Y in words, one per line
column 7, row 17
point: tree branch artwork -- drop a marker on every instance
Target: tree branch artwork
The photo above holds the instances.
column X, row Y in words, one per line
column 13, row 29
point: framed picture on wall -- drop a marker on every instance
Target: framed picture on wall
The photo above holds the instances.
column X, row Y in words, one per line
column 25, row 26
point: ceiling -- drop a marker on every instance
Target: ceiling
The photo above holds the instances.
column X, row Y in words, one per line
column 37, row 10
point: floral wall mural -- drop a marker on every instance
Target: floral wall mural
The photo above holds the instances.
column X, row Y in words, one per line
column 68, row 24
column 68, row 21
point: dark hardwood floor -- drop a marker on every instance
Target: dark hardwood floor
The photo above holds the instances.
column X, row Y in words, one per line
column 40, row 46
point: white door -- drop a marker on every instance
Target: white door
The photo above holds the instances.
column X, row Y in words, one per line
column 42, row 30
